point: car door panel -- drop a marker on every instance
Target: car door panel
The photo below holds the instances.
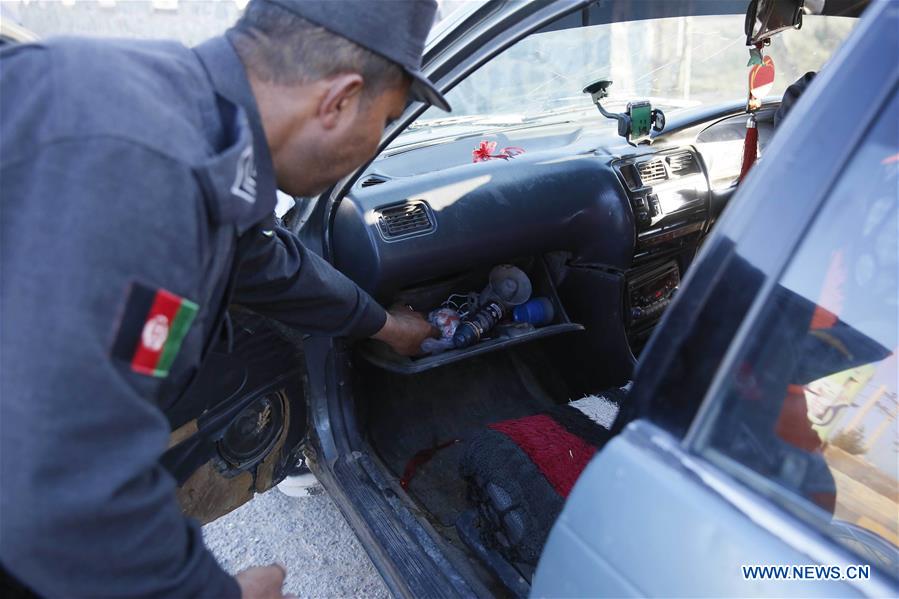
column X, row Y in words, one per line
column 242, row 421
column 656, row 513
column 643, row 521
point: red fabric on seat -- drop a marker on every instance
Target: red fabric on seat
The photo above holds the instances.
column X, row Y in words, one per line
column 559, row 455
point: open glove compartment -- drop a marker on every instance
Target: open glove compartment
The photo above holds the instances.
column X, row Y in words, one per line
column 506, row 333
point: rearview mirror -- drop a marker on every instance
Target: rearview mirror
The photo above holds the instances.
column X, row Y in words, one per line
column 765, row 18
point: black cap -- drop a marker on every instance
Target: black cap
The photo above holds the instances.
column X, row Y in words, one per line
column 395, row 29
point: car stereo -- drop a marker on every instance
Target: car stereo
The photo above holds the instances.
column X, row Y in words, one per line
column 648, row 295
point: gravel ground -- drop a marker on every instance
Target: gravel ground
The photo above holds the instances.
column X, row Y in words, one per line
column 307, row 535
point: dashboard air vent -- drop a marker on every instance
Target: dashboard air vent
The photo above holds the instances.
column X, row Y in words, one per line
column 405, row 220
column 682, row 163
column 652, row 171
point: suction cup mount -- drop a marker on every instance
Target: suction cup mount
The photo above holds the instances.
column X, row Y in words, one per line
column 637, row 122
column 509, row 285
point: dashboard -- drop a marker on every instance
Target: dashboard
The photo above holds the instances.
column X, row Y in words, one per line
column 412, row 229
column 605, row 230
column 428, row 212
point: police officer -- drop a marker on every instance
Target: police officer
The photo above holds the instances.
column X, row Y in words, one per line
column 138, row 184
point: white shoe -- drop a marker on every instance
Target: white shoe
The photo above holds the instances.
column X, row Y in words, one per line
column 301, row 485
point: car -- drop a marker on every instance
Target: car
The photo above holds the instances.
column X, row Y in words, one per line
column 730, row 324
column 12, row 32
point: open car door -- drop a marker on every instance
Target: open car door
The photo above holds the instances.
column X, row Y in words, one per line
column 240, row 427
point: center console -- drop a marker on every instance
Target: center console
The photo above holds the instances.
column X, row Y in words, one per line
column 669, row 195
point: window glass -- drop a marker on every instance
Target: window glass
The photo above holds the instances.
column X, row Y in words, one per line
column 676, row 62
column 812, row 405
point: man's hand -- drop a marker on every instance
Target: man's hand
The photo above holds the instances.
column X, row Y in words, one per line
column 262, row 583
column 404, row 330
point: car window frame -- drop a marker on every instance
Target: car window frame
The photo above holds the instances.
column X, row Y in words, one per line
column 742, row 341
column 762, row 229
column 741, row 234
column 696, row 442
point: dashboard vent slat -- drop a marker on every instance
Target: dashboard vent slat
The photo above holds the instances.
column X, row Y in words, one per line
column 652, row 171
column 405, row 220
column 682, row 163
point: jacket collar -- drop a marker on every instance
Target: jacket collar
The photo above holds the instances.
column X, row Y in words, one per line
column 229, row 78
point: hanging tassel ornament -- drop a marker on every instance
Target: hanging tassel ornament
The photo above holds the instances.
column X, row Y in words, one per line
column 761, row 80
column 750, row 145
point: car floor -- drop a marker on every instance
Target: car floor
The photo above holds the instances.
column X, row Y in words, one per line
column 407, row 414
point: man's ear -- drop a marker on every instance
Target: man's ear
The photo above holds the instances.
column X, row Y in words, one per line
column 340, row 98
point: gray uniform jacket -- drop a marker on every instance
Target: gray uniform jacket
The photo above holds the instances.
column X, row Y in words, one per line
column 124, row 165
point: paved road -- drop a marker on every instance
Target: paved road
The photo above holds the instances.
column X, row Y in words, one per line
column 308, row 536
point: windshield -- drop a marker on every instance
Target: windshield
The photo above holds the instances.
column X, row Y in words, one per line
column 675, row 62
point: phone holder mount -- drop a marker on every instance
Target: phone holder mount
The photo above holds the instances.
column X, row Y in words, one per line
column 637, row 122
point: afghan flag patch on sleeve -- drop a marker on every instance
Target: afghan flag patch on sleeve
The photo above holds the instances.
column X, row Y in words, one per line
column 152, row 328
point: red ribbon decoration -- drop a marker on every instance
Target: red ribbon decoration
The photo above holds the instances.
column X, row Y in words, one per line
column 485, row 149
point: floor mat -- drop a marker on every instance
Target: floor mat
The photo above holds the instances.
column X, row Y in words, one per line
column 408, row 414
column 520, row 471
